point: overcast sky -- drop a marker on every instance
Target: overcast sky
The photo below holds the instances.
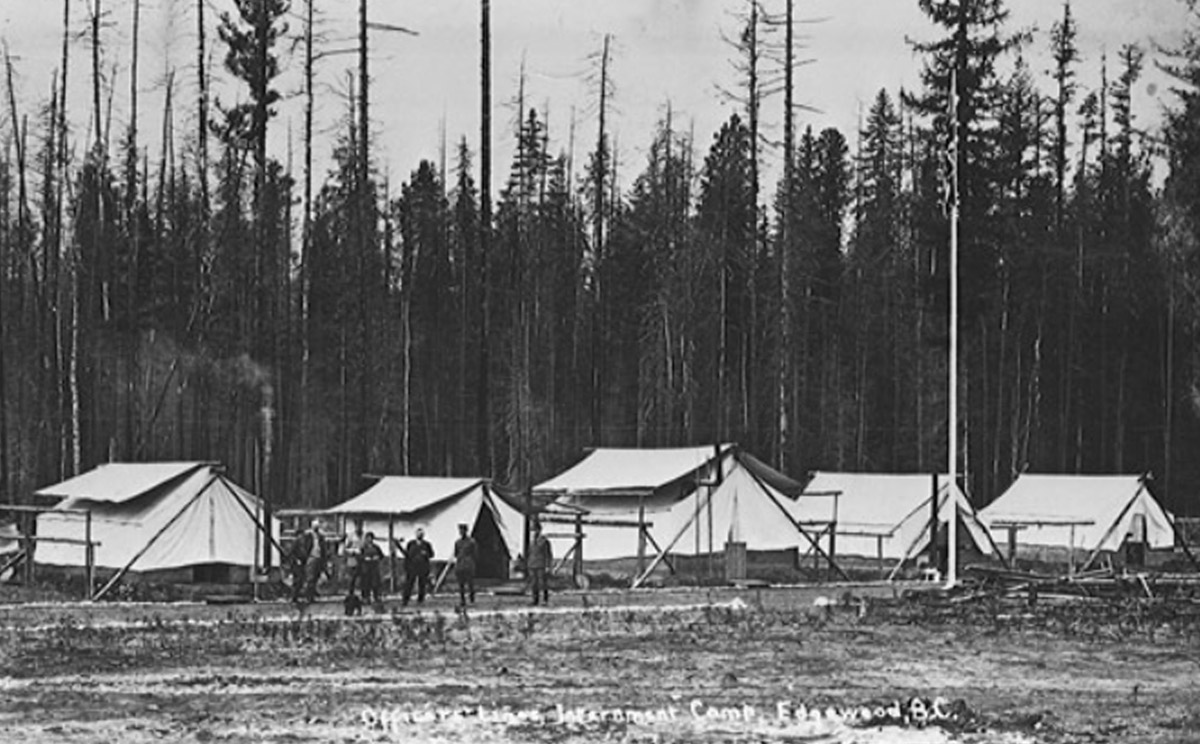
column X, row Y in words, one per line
column 664, row 50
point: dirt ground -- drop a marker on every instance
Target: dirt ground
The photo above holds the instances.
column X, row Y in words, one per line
column 824, row 664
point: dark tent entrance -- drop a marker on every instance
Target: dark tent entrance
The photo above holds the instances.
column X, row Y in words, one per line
column 494, row 558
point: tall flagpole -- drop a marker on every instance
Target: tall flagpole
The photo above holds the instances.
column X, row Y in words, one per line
column 952, row 469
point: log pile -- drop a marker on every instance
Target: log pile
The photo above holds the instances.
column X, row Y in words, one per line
column 1098, row 584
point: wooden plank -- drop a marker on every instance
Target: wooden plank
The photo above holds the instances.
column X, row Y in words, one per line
column 544, row 519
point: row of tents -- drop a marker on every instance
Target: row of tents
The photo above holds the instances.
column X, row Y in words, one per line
column 652, row 508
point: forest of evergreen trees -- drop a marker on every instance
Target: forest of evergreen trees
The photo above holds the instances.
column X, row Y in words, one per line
column 206, row 301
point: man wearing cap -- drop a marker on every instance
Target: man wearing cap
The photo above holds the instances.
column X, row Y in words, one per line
column 466, row 553
column 418, row 558
column 540, row 559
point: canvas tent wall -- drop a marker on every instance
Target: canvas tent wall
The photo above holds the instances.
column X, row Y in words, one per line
column 1092, row 513
column 888, row 515
column 155, row 517
column 693, row 500
column 401, row 504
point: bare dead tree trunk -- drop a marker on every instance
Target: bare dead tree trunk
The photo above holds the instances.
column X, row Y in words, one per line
column 306, row 244
column 97, row 116
column 363, row 205
column 202, row 110
column 483, row 412
column 134, row 231
column 601, row 169
column 6, row 494
column 364, row 87
column 785, row 299
column 752, row 105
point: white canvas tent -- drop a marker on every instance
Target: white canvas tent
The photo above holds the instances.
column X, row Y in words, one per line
column 887, row 516
column 401, row 504
column 153, row 517
column 692, row 501
column 1089, row 512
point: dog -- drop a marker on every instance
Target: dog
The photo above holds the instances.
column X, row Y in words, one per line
column 353, row 605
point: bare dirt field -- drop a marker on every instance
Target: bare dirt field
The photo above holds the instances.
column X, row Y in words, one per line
column 754, row 665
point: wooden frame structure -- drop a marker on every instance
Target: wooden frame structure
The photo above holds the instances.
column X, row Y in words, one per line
column 28, row 540
column 702, row 480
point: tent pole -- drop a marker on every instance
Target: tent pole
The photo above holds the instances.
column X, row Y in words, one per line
column 119, row 574
column 641, row 546
column 89, row 555
column 935, row 558
column 654, row 542
column 257, row 547
column 912, row 548
column 569, row 555
column 663, row 553
column 712, row 551
column 259, row 526
column 577, row 566
column 30, row 546
column 441, row 578
column 1096, row 551
column 1071, row 552
column 832, row 547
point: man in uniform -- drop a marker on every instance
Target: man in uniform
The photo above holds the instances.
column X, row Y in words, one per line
column 418, row 559
column 540, row 558
column 466, row 554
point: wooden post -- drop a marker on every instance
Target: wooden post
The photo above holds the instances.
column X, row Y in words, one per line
column 89, row 556
column 27, row 533
column 1071, row 553
column 577, row 566
column 1012, row 545
column 935, row 558
column 641, row 546
column 832, row 550
column 712, row 548
column 255, row 569
column 879, row 554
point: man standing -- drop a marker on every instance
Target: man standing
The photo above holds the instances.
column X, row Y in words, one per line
column 466, row 553
column 314, row 563
column 369, row 560
column 353, row 549
column 297, row 557
column 418, row 558
column 540, row 558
